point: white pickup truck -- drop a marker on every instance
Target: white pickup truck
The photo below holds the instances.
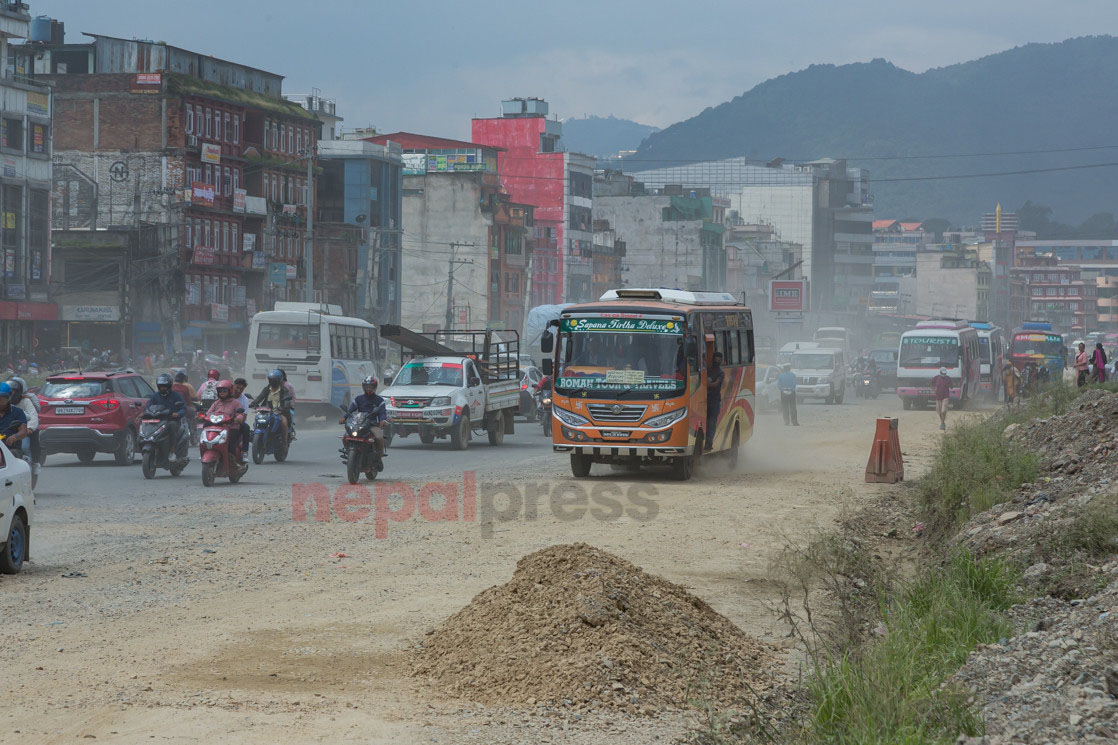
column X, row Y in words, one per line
column 447, row 396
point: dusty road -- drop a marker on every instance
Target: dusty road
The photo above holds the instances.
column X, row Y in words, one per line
column 217, row 615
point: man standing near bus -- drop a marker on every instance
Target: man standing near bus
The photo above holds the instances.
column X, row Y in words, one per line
column 942, row 385
column 715, row 378
column 786, row 384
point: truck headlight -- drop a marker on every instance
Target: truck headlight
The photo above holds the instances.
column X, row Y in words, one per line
column 657, row 422
column 440, row 401
column 570, row 418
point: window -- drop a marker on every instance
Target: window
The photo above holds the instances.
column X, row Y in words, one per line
column 299, row 141
column 275, row 136
column 228, row 121
column 11, row 134
column 92, row 274
column 290, row 139
column 189, row 119
column 228, row 182
column 225, row 236
column 282, row 137
column 127, row 387
column 235, row 247
column 209, row 173
column 236, row 178
column 40, row 139
column 236, row 128
column 208, row 124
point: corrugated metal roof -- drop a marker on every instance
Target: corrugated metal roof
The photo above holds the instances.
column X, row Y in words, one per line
column 412, row 141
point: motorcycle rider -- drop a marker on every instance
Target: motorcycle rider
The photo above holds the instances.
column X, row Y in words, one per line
column 13, row 422
column 239, row 386
column 227, row 405
column 276, row 396
column 370, row 403
column 207, row 392
column 291, row 390
column 29, row 403
column 165, row 396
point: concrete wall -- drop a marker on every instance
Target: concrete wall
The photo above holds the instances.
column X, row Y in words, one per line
column 659, row 254
column 440, row 209
column 945, row 292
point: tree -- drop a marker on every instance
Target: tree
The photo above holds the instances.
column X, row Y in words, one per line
column 937, row 226
column 1098, row 225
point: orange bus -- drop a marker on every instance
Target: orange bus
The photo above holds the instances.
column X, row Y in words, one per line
column 629, row 378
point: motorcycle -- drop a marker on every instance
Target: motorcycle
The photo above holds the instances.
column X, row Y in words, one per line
column 221, row 449
column 359, row 447
column 867, row 385
column 267, row 437
column 545, row 412
column 156, row 444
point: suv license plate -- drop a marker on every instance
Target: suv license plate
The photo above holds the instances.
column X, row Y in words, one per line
column 69, row 410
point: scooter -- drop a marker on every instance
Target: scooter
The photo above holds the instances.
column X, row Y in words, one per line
column 545, row 412
column 267, row 436
column 867, row 386
column 359, row 447
column 156, row 445
column 221, row 449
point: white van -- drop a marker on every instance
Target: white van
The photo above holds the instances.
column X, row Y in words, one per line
column 792, row 347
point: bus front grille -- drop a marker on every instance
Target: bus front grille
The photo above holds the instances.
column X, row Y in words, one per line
column 616, row 412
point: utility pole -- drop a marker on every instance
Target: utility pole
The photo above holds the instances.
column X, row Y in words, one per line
column 451, row 263
column 308, row 249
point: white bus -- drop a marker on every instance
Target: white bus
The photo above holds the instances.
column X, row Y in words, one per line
column 935, row 344
column 326, row 355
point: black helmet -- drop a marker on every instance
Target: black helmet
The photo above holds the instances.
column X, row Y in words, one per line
column 163, row 381
column 180, row 377
column 16, row 384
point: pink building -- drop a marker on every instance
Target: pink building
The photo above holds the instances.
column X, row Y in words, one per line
column 535, row 170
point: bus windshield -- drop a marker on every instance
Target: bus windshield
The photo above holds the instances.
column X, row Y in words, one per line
column 1044, row 345
column 621, row 355
column 300, row 336
column 929, row 351
column 429, row 373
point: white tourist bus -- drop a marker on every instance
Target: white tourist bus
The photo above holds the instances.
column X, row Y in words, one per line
column 326, row 355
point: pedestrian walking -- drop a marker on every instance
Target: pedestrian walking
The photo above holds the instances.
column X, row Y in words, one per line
column 1099, row 360
column 942, row 385
column 786, row 384
column 1081, row 365
column 715, row 378
column 1010, row 381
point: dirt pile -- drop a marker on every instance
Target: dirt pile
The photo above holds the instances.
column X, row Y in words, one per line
column 581, row 628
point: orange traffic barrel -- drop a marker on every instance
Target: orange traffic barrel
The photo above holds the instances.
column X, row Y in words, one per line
column 885, row 465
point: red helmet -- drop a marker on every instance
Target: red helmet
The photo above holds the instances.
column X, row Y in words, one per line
column 213, row 375
column 226, row 384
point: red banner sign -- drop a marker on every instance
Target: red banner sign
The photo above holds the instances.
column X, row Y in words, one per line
column 789, row 295
column 203, row 256
column 201, row 193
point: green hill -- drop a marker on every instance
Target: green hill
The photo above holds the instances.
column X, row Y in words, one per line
column 1034, row 97
column 603, row 137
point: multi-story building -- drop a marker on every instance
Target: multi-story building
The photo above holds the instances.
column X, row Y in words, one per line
column 466, row 245
column 755, row 254
column 357, row 228
column 26, row 135
column 326, row 109
column 536, row 170
column 201, row 153
column 673, row 237
column 608, row 259
column 1058, row 293
column 952, row 282
column 823, row 205
column 1097, row 260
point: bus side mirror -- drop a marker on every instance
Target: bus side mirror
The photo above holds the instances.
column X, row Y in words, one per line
column 547, row 367
column 547, row 342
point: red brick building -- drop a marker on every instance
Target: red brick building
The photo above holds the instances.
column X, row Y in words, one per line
column 204, row 156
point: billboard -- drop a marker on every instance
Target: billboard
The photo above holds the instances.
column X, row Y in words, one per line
column 789, row 296
column 211, row 153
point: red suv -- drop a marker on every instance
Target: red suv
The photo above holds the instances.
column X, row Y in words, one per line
column 90, row 413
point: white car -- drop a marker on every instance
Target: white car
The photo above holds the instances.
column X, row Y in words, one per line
column 17, row 508
column 768, row 394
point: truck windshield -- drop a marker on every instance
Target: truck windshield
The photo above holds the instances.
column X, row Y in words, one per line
column 621, row 356
column 429, row 373
column 929, row 351
column 813, row 362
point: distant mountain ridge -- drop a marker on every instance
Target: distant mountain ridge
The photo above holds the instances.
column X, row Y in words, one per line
column 603, row 136
column 1033, row 97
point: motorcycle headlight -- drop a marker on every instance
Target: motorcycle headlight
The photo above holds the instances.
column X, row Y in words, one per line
column 217, row 418
column 570, row 418
column 440, row 401
column 547, row 401
column 664, row 420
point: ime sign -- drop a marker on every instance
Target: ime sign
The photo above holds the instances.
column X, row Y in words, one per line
column 789, row 295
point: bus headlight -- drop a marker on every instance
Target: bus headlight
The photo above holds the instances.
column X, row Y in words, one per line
column 570, row 418
column 440, row 401
column 664, row 420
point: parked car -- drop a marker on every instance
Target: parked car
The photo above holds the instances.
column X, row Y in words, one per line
column 17, row 508
column 92, row 412
column 529, row 377
column 768, row 395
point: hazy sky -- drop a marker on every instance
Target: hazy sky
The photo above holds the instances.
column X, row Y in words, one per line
column 428, row 66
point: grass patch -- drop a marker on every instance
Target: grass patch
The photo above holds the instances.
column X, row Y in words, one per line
column 1091, row 534
column 974, row 468
column 889, row 690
